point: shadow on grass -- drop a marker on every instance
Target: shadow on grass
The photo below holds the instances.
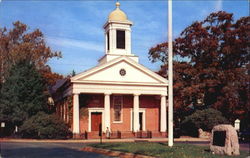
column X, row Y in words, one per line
column 164, row 144
column 110, row 146
column 105, row 145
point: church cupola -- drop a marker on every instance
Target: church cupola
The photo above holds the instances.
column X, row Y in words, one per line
column 117, row 14
column 117, row 35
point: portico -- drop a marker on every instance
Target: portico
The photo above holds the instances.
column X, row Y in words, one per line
column 109, row 90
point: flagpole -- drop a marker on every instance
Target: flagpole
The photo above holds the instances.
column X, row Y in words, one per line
column 170, row 76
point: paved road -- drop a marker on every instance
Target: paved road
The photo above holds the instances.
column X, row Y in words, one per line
column 45, row 150
column 62, row 149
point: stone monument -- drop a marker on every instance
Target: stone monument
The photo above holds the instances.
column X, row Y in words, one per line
column 203, row 134
column 224, row 140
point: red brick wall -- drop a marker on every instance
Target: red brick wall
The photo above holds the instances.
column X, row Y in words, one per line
column 84, row 119
column 91, row 101
column 126, row 114
column 150, row 103
column 152, row 106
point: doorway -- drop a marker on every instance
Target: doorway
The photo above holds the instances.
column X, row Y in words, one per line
column 140, row 121
column 96, row 120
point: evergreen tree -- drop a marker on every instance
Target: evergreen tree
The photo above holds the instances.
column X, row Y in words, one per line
column 73, row 73
column 22, row 94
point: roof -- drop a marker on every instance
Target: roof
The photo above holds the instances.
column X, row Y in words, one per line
column 110, row 72
column 117, row 14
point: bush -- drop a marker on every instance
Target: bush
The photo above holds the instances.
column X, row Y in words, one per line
column 204, row 119
column 45, row 126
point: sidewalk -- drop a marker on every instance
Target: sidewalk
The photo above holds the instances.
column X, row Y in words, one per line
column 188, row 139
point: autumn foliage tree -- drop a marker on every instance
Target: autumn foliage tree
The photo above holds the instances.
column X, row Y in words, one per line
column 19, row 43
column 25, row 77
column 211, row 65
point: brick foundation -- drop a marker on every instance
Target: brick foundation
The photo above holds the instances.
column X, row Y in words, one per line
column 121, row 135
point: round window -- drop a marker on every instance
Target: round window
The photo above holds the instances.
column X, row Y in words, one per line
column 122, row 72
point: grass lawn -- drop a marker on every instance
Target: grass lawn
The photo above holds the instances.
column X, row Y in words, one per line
column 163, row 151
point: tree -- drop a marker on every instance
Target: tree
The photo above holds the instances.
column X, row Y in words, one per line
column 18, row 44
column 50, row 77
column 45, row 126
column 205, row 119
column 22, row 94
column 210, row 67
column 73, row 73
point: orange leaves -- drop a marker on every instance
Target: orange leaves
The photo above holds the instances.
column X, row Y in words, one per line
column 158, row 52
column 50, row 77
column 213, row 56
column 18, row 43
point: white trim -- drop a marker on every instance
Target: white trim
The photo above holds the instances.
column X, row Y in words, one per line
column 92, row 110
column 129, row 61
column 118, row 89
column 143, row 110
column 131, row 119
column 145, row 84
column 136, row 106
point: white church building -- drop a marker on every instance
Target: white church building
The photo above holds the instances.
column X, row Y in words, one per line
column 118, row 95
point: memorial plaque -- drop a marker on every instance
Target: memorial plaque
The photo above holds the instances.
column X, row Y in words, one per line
column 224, row 140
column 219, row 138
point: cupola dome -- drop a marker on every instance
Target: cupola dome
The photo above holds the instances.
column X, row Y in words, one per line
column 117, row 14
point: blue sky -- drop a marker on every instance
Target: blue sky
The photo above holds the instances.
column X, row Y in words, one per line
column 75, row 27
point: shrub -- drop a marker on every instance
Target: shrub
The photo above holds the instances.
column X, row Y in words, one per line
column 45, row 126
column 204, row 119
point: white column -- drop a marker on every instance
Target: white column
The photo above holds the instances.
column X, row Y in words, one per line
column 76, row 125
column 163, row 114
column 107, row 110
column 136, row 112
column 128, row 41
column 112, row 39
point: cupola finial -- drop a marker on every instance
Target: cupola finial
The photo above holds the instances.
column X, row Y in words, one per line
column 117, row 4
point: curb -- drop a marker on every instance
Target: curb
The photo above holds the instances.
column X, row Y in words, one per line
column 104, row 140
column 114, row 153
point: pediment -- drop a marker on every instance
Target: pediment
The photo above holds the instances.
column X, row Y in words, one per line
column 120, row 70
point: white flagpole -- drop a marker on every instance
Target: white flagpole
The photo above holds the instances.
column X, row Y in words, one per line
column 170, row 76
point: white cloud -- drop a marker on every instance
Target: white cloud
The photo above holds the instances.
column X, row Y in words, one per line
column 66, row 42
column 218, row 5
